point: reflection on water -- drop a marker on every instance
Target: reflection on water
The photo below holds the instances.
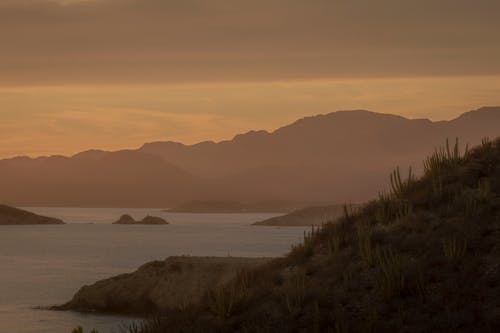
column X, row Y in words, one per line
column 45, row 265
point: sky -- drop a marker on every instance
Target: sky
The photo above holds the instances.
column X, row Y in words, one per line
column 114, row 74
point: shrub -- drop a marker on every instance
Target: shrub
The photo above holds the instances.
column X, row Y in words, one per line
column 384, row 210
column 339, row 327
column 222, row 300
column 404, row 209
column 444, row 157
column 295, row 292
column 349, row 212
column 306, row 248
column 79, row 329
column 454, row 249
column 391, row 278
column 365, row 244
column 333, row 245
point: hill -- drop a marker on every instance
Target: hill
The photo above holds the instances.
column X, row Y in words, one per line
column 423, row 257
column 157, row 285
column 314, row 159
column 14, row 216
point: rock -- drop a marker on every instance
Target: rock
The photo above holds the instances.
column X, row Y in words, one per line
column 159, row 285
column 14, row 216
column 153, row 220
column 127, row 219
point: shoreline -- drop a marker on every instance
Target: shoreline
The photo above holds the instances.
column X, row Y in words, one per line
column 157, row 286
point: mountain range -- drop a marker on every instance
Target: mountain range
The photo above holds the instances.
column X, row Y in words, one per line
column 313, row 159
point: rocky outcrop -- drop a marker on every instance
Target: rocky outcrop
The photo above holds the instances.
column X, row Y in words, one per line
column 14, row 216
column 127, row 219
column 153, row 220
column 159, row 285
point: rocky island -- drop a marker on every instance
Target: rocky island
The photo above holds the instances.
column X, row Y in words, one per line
column 151, row 220
column 14, row 216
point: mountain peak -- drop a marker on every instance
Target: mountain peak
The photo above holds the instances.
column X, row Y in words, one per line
column 91, row 153
column 250, row 134
column 485, row 112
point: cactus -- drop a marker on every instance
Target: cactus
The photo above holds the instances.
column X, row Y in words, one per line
column 398, row 186
column 222, row 300
column 445, row 157
column 294, row 296
column 391, row 278
column 365, row 244
column 454, row 249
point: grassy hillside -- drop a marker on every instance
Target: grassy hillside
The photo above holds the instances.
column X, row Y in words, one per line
column 423, row 258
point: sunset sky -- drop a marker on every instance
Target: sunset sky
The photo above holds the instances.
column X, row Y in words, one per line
column 114, row 74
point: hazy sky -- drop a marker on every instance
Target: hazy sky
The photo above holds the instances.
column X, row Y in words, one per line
column 115, row 73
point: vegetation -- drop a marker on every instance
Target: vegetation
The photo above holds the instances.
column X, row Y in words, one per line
column 79, row 329
column 423, row 258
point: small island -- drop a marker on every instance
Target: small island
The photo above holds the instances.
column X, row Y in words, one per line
column 150, row 220
column 15, row 216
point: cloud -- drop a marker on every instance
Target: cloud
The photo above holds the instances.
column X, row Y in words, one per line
column 162, row 41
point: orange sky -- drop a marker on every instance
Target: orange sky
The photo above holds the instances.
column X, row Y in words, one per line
column 114, row 74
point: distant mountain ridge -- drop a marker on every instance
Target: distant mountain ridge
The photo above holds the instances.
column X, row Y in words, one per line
column 313, row 159
column 92, row 179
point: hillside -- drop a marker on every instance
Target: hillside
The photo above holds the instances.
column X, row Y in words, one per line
column 423, row 257
column 159, row 285
column 313, row 159
column 14, row 216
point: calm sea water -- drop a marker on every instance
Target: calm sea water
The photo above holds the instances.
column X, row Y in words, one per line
column 46, row 265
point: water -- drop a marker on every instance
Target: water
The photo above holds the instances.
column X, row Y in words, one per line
column 46, row 265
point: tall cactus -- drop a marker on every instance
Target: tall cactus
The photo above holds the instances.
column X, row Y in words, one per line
column 397, row 184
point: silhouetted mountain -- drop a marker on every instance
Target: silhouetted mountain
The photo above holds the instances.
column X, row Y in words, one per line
column 93, row 178
column 315, row 159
